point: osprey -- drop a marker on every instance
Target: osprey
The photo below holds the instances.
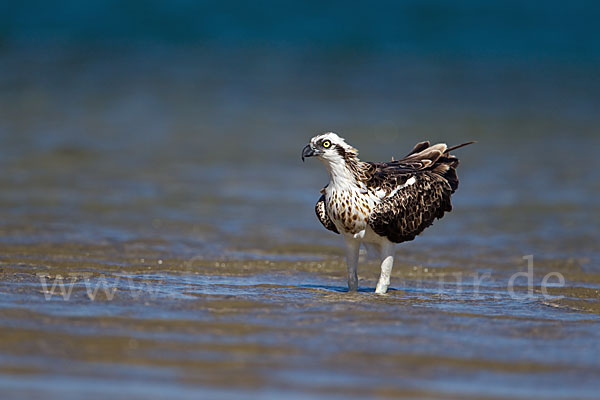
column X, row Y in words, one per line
column 382, row 203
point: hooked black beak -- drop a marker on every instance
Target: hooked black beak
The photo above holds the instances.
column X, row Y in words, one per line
column 307, row 151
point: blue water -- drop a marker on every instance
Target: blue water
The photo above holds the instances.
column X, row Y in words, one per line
column 464, row 29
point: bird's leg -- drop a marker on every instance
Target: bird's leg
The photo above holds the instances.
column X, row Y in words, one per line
column 387, row 262
column 352, row 249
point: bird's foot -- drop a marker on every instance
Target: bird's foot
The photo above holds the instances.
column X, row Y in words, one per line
column 381, row 288
column 352, row 286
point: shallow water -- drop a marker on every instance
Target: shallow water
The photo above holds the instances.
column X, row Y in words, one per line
column 163, row 191
column 261, row 329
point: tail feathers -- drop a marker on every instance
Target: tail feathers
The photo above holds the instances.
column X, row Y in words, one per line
column 421, row 146
column 446, row 168
column 449, row 149
column 449, row 172
column 427, row 155
column 439, row 160
column 436, row 158
column 418, row 148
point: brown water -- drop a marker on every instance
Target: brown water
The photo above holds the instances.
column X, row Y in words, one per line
column 176, row 190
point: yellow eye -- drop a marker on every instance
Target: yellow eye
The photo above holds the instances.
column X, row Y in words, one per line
column 327, row 144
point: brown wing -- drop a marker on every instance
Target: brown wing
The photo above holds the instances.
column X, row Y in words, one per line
column 410, row 208
column 321, row 211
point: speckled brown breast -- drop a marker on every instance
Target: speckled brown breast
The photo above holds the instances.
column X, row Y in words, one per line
column 349, row 209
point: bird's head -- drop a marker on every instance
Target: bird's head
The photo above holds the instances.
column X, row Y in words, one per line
column 330, row 148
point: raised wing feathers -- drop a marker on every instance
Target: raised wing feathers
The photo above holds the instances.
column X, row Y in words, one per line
column 409, row 208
